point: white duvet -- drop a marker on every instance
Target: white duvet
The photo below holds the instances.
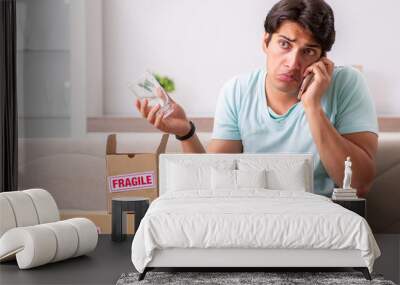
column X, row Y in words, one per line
column 250, row 219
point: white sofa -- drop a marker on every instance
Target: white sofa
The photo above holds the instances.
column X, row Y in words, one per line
column 75, row 167
column 31, row 232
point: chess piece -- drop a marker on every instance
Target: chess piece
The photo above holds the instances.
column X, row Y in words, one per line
column 347, row 174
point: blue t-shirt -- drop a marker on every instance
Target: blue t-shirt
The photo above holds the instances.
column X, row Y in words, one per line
column 242, row 113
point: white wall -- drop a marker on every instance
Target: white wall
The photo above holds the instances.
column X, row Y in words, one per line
column 59, row 66
column 366, row 35
column 94, row 27
column 43, row 68
column 202, row 43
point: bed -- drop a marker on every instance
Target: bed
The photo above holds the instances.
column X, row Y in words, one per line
column 247, row 210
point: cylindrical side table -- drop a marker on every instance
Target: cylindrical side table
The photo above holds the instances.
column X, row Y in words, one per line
column 120, row 205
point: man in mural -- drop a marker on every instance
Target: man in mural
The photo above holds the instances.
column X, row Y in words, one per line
column 268, row 111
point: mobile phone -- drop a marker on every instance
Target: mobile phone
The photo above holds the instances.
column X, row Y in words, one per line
column 304, row 84
column 307, row 80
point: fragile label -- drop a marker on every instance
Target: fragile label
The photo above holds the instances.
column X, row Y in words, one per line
column 132, row 181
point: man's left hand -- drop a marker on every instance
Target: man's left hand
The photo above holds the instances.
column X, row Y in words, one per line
column 322, row 70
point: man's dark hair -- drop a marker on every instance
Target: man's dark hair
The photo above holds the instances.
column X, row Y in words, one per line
column 314, row 15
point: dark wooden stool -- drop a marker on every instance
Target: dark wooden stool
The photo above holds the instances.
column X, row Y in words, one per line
column 121, row 205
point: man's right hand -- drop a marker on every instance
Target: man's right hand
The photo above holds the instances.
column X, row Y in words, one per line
column 175, row 122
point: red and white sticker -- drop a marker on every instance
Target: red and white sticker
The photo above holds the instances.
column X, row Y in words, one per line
column 132, row 181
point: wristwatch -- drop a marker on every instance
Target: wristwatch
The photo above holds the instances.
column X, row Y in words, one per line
column 189, row 134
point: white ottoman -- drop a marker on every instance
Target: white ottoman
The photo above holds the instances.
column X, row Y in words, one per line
column 31, row 232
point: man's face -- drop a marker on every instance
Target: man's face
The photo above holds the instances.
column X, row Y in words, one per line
column 289, row 52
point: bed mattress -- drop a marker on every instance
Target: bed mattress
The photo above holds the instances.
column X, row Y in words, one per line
column 250, row 219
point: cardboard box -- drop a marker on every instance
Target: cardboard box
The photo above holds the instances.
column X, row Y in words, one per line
column 132, row 174
column 102, row 219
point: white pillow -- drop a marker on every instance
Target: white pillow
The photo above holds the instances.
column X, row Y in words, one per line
column 228, row 179
column 251, row 178
column 281, row 174
column 223, row 179
column 293, row 178
column 188, row 175
column 183, row 178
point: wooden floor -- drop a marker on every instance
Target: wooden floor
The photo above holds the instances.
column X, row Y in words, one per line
column 110, row 259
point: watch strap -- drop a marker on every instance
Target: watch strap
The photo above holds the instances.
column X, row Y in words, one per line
column 189, row 134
